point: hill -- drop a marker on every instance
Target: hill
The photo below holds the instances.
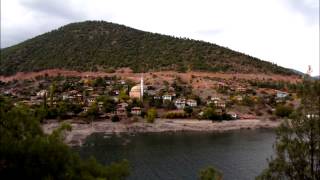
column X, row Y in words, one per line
column 104, row 46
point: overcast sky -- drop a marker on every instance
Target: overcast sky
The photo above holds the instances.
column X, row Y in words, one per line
column 285, row 32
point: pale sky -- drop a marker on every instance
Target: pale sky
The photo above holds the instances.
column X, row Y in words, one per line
column 285, row 32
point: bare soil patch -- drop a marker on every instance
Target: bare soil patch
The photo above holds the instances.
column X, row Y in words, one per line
column 154, row 76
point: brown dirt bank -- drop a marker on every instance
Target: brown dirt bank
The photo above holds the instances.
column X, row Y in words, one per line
column 165, row 75
column 81, row 131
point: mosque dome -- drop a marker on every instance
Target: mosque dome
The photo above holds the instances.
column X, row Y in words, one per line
column 137, row 91
column 136, row 88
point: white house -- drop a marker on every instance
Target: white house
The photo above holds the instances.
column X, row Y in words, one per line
column 42, row 93
column 156, row 97
column 85, row 109
column 122, row 105
column 221, row 104
column 121, row 112
column 122, row 82
column 180, row 103
column 167, row 97
column 90, row 89
column 191, row 102
column 91, row 101
column 213, row 100
column 241, row 89
column 281, row 95
column 100, row 105
column 66, row 97
column 239, row 98
column 136, row 111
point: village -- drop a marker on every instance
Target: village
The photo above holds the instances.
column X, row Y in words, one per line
column 112, row 98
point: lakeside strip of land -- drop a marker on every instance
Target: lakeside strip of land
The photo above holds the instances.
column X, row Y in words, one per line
column 81, row 131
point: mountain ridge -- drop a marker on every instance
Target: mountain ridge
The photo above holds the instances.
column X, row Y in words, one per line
column 105, row 46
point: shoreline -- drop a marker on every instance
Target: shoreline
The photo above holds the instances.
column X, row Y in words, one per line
column 80, row 132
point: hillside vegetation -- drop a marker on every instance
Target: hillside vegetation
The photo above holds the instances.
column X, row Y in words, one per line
column 104, row 46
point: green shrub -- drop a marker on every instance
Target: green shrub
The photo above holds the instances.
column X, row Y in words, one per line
column 135, row 119
column 151, row 115
column 188, row 110
column 283, row 111
column 210, row 113
column 210, row 173
column 26, row 152
column 176, row 115
column 115, row 118
column 226, row 116
column 248, row 101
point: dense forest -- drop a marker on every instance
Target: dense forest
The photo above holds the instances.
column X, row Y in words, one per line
column 104, row 46
column 26, row 152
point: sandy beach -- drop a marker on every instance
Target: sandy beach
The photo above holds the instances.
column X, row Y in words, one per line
column 81, row 131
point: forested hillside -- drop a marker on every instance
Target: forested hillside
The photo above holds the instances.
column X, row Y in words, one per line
column 104, row 46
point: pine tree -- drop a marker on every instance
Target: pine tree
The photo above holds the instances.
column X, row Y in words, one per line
column 52, row 91
column 297, row 147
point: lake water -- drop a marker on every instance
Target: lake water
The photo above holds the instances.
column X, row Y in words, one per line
column 240, row 155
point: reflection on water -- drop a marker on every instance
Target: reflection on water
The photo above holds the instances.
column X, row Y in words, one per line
column 238, row 154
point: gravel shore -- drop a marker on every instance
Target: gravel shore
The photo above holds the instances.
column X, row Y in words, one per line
column 81, row 131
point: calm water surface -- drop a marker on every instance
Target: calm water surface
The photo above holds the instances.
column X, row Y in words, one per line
column 240, row 155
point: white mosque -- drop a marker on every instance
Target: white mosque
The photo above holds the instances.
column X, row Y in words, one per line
column 137, row 90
